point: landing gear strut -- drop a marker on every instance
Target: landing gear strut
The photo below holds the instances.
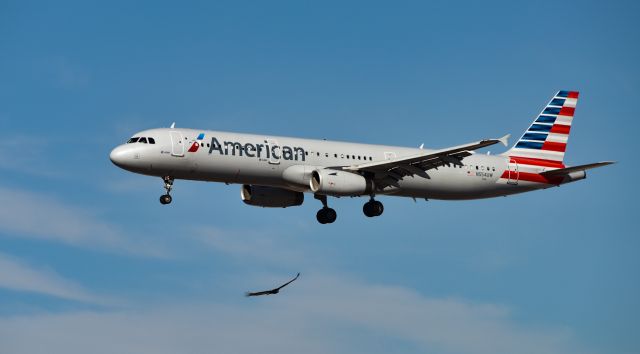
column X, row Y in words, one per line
column 325, row 215
column 168, row 184
column 372, row 208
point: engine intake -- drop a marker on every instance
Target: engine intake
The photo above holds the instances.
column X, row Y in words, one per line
column 270, row 197
column 339, row 183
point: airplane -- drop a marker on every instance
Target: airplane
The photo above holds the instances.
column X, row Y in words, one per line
column 276, row 171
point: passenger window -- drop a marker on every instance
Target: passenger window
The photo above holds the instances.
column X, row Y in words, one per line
column 318, row 154
column 347, row 156
column 143, row 140
column 152, row 141
column 476, row 167
column 494, row 169
column 370, row 158
column 306, row 153
column 335, row 155
column 358, row 157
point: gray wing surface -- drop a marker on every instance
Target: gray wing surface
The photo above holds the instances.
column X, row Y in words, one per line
column 389, row 172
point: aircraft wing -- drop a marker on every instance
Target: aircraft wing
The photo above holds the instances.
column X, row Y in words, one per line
column 565, row 171
column 389, row 172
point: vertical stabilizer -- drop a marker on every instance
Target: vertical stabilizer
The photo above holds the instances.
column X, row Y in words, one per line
column 546, row 139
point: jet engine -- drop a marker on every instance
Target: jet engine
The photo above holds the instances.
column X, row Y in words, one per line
column 270, row 197
column 339, row 183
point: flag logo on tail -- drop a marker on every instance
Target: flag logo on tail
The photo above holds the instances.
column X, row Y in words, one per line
column 547, row 137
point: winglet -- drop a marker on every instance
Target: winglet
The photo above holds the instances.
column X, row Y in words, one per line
column 505, row 139
column 173, row 125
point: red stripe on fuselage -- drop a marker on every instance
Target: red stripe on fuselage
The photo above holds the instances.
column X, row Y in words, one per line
column 537, row 162
column 531, row 177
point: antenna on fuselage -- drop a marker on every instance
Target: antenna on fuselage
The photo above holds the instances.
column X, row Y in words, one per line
column 421, row 146
column 173, row 125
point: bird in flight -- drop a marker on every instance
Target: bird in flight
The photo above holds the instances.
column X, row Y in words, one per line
column 272, row 291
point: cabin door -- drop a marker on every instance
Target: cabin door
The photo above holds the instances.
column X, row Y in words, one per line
column 513, row 172
column 177, row 144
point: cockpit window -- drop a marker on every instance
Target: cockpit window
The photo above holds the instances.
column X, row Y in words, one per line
column 152, row 141
column 133, row 140
column 143, row 140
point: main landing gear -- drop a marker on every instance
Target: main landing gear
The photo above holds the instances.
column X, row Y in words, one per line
column 325, row 215
column 372, row 208
column 168, row 184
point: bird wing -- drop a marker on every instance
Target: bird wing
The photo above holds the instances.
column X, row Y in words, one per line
column 259, row 293
column 287, row 283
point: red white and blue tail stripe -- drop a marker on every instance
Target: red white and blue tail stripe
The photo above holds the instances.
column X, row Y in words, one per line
column 536, row 160
column 542, row 146
column 546, row 138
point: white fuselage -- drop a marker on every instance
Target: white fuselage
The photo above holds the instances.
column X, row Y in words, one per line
column 287, row 163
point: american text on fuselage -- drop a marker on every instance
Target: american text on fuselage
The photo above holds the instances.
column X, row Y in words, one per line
column 257, row 150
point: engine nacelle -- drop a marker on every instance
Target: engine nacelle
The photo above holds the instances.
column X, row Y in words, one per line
column 339, row 183
column 270, row 197
column 297, row 177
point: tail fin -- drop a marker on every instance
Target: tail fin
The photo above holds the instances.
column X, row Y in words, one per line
column 546, row 138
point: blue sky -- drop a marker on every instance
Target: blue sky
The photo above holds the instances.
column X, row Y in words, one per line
column 90, row 261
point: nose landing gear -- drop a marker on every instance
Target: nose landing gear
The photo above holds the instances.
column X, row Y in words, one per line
column 325, row 215
column 372, row 208
column 168, row 184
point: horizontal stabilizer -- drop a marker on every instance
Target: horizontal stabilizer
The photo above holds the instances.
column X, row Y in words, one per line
column 565, row 171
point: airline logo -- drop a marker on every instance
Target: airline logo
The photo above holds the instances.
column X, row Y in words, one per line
column 547, row 136
column 196, row 144
column 543, row 145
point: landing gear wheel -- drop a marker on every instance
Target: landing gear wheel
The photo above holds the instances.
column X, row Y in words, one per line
column 165, row 199
column 372, row 208
column 326, row 216
column 378, row 207
column 168, row 184
column 331, row 215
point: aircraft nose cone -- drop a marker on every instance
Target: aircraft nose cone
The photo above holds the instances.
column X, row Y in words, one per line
column 119, row 156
